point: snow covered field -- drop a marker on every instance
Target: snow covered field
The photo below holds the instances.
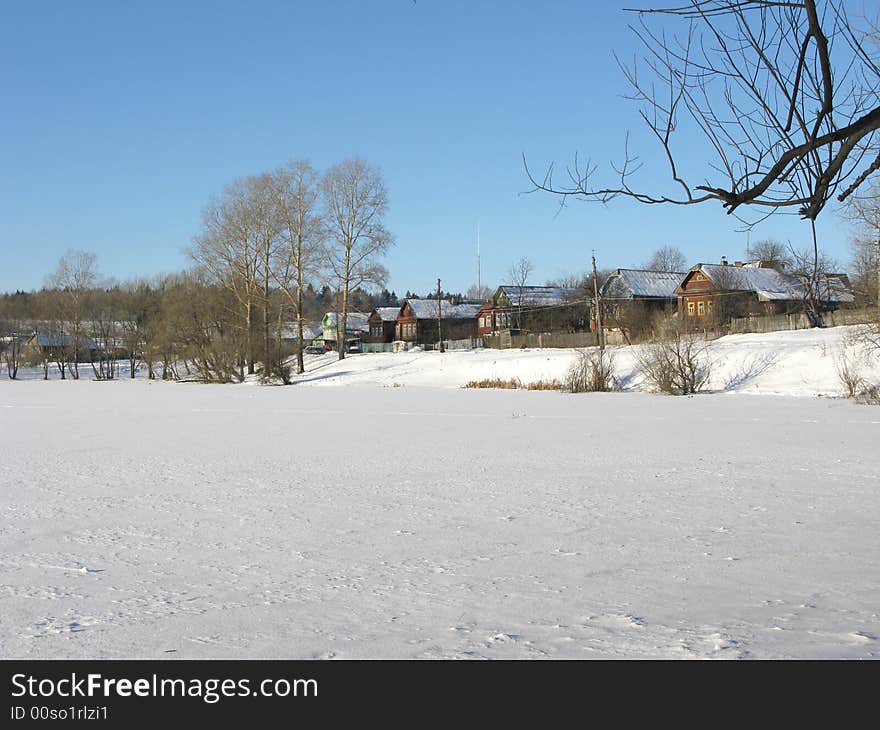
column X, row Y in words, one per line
column 166, row 520
column 802, row 363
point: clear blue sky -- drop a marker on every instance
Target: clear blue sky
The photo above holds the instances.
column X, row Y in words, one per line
column 120, row 120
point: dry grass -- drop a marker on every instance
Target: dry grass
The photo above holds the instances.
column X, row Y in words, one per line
column 515, row 384
column 512, row 384
column 545, row 385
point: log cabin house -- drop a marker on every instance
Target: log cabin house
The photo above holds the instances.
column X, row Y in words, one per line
column 719, row 292
column 524, row 309
column 632, row 298
column 417, row 321
column 382, row 322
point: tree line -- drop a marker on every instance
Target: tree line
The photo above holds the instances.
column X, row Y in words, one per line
column 274, row 249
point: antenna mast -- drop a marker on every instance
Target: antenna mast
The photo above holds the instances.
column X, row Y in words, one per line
column 479, row 280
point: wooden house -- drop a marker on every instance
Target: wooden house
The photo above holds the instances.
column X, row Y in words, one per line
column 632, row 298
column 417, row 321
column 524, row 309
column 356, row 329
column 382, row 323
column 719, row 292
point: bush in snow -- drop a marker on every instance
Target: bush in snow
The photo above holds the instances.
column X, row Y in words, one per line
column 592, row 372
column 849, row 372
column 675, row 361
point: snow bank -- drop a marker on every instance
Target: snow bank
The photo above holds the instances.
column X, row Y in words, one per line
column 801, row 362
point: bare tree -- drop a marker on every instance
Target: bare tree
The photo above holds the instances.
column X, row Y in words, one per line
column 518, row 274
column 784, row 94
column 667, row 258
column 356, row 203
column 297, row 192
column 228, row 251
column 74, row 277
column 771, row 252
column 479, row 293
column 864, row 211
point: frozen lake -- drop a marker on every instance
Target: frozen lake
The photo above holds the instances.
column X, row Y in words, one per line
column 178, row 520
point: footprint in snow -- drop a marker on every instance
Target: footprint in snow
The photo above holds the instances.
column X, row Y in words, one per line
column 861, row 637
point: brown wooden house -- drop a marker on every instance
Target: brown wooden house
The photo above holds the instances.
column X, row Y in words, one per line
column 719, row 292
column 632, row 298
column 382, row 323
column 417, row 321
column 524, row 309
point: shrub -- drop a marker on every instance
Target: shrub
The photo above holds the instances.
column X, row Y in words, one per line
column 675, row 362
column 849, row 373
column 592, row 372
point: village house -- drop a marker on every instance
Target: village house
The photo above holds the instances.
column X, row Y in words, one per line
column 356, row 329
column 417, row 321
column 719, row 292
column 524, row 309
column 290, row 335
column 632, row 298
column 383, row 321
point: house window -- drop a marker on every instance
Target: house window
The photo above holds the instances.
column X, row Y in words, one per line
column 711, row 306
column 701, row 308
column 690, row 309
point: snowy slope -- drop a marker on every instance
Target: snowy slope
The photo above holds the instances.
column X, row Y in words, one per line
column 801, row 362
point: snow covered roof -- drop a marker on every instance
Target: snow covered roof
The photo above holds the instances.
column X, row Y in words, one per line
column 57, row 340
column 835, row 288
column 537, row 296
column 427, row 309
column 387, row 314
column 355, row 322
column 770, row 284
column 639, row 283
column 289, row 332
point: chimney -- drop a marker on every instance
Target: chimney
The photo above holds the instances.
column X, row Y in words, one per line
column 724, row 260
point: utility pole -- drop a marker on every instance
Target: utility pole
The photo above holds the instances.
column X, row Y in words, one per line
column 600, row 335
column 439, row 318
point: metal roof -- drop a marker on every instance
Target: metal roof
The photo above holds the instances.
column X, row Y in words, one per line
column 538, row 296
column 640, row 283
column 387, row 314
column 427, row 309
column 773, row 285
column 354, row 322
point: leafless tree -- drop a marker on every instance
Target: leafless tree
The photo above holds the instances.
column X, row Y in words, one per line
column 479, row 293
column 667, row 258
column 73, row 278
column 864, row 211
column 784, row 94
column 16, row 326
column 297, row 191
column 227, row 250
column 356, row 203
column 770, row 251
column 518, row 275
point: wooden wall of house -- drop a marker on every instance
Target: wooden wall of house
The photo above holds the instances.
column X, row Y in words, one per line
column 453, row 329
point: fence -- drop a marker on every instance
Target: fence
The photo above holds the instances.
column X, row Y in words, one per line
column 799, row 321
column 468, row 343
column 504, row 341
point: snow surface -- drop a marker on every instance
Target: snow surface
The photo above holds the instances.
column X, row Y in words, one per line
column 150, row 519
column 800, row 362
